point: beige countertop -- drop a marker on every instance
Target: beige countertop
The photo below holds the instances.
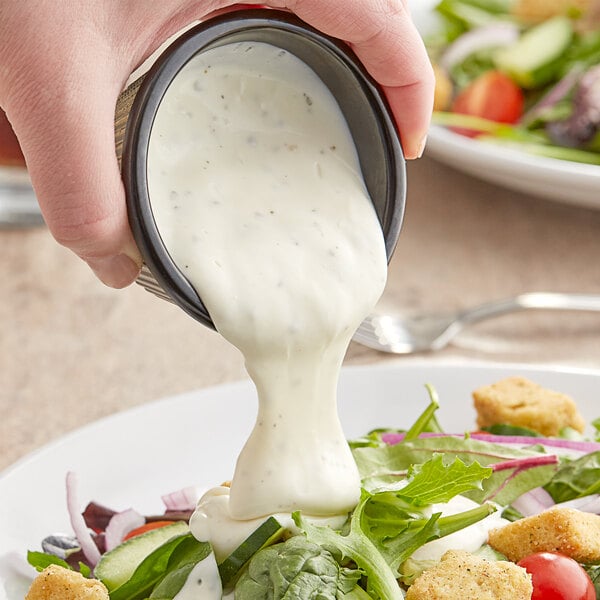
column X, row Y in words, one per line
column 72, row 350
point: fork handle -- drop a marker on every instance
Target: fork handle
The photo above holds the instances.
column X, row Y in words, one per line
column 533, row 300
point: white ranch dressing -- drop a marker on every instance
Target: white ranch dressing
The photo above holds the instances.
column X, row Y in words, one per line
column 212, row 521
column 257, row 192
column 470, row 538
column 203, row 582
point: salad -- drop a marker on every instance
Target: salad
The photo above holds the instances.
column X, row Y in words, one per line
column 522, row 73
column 505, row 511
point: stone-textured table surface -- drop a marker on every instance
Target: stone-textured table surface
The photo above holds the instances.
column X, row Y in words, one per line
column 72, row 350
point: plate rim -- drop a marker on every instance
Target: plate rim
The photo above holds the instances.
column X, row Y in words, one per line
column 244, row 383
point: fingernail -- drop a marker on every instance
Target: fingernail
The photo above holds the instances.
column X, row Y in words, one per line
column 422, row 147
column 115, row 271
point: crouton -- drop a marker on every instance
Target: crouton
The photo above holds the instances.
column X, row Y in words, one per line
column 535, row 11
column 461, row 575
column 564, row 530
column 58, row 583
column 442, row 96
column 518, row 401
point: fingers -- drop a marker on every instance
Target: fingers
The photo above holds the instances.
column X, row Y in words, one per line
column 63, row 109
column 66, row 130
column 385, row 39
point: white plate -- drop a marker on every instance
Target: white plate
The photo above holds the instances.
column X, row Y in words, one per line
column 549, row 178
column 131, row 458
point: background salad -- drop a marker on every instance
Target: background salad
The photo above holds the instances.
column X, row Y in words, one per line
column 523, row 73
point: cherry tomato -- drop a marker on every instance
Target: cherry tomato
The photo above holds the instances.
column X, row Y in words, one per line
column 493, row 96
column 146, row 527
column 557, row 577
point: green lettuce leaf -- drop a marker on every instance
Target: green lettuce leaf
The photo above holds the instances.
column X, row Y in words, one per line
column 357, row 547
column 41, row 560
column 385, row 465
column 387, row 527
column 398, row 534
column 433, row 481
column 382, row 535
column 296, row 570
column 594, row 572
column 178, row 554
column 576, row 478
column 181, row 562
column 425, row 422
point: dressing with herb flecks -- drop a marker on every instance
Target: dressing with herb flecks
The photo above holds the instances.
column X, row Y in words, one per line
column 257, row 192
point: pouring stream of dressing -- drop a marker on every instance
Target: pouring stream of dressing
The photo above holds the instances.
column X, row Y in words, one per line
column 257, row 191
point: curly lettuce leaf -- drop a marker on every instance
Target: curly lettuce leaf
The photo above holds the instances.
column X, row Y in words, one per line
column 387, row 465
column 398, row 534
column 357, row 547
column 387, row 527
column 433, row 481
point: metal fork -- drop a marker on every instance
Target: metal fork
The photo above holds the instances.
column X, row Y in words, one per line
column 407, row 335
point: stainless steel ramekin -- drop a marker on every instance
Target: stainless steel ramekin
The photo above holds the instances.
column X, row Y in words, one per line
column 361, row 100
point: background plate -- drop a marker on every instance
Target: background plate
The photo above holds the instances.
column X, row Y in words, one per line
column 549, row 178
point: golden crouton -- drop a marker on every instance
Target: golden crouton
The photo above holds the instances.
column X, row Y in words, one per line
column 564, row 530
column 57, row 583
column 461, row 575
column 535, row 11
column 518, row 401
column 442, row 96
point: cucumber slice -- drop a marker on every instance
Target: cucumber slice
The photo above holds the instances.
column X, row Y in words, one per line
column 270, row 531
column 489, row 553
column 535, row 58
column 117, row 566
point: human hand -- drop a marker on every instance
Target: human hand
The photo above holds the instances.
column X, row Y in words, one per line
column 63, row 68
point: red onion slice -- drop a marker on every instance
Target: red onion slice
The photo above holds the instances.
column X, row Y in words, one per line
column 533, row 502
column 495, row 35
column 578, row 447
column 182, row 500
column 120, row 525
column 589, row 504
column 553, row 96
column 84, row 537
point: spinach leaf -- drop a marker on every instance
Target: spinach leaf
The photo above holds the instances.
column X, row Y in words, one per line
column 158, row 564
column 181, row 562
column 296, row 570
column 41, row 560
